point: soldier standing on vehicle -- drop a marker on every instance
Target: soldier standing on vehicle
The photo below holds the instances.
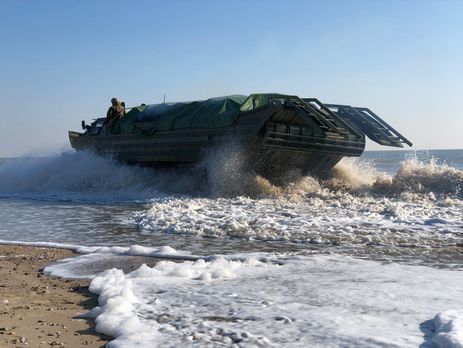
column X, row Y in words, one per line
column 115, row 111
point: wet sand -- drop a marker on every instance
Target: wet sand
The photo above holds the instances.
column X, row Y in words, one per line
column 39, row 311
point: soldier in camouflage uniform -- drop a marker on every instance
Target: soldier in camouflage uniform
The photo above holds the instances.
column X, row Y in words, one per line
column 115, row 112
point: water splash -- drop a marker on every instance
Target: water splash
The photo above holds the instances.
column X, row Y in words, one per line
column 417, row 176
column 354, row 173
column 83, row 175
column 419, row 207
column 227, row 175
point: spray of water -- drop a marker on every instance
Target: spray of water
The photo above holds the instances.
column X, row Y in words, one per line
column 227, row 176
column 417, row 176
column 420, row 205
column 84, row 174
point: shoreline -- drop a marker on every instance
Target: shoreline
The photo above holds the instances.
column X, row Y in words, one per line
column 41, row 311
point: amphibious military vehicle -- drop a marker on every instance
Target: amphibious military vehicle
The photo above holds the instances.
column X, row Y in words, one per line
column 275, row 133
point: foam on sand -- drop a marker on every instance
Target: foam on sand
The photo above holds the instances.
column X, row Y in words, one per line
column 300, row 301
column 448, row 329
column 95, row 259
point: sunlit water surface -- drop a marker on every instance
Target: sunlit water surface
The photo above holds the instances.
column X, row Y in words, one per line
column 370, row 256
column 403, row 206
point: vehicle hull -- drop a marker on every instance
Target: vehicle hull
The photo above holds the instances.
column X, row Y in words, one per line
column 270, row 142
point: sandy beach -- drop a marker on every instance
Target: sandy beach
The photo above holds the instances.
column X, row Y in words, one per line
column 39, row 311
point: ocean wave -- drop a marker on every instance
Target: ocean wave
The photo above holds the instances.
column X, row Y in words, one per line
column 86, row 176
column 413, row 177
column 83, row 174
column 356, row 205
column 418, row 176
column 227, row 178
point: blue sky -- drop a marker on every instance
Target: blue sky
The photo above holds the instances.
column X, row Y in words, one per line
column 62, row 61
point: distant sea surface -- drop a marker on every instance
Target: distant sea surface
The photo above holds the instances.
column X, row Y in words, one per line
column 390, row 161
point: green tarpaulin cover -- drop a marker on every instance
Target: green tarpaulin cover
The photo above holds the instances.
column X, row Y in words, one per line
column 211, row 113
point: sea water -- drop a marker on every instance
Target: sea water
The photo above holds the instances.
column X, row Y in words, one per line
column 370, row 256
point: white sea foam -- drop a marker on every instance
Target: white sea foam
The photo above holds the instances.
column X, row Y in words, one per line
column 324, row 217
column 94, row 258
column 448, row 329
column 318, row 301
column 41, row 244
column 356, row 206
column 134, row 250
